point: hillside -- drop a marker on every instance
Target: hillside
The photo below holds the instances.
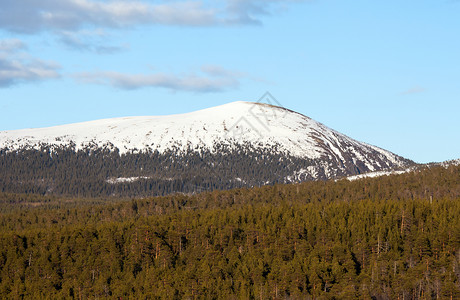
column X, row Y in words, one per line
column 239, row 144
column 391, row 237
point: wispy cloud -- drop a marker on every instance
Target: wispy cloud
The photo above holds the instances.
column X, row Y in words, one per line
column 414, row 90
column 80, row 25
column 11, row 45
column 90, row 41
column 250, row 11
column 200, row 83
column 19, row 67
column 31, row 16
column 18, row 71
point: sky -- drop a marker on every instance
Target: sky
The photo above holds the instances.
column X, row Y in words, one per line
column 383, row 72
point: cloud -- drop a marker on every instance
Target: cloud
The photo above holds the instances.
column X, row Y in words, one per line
column 11, row 45
column 203, row 83
column 88, row 41
column 79, row 25
column 31, row 16
column 415, row 90
column 16, row 71
column 249, row 11
column 18, row 67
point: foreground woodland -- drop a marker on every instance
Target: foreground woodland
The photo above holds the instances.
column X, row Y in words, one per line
column 393, row 237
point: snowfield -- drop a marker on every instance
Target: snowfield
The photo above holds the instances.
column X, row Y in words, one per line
column 244, row 123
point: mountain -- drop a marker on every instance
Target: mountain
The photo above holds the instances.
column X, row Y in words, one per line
column 412, row 168
column 232, row 145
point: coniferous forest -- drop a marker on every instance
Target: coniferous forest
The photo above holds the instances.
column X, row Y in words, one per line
column 393, row 237
column 92, row 172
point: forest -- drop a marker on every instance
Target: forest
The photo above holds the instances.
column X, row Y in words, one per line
column 93, row 172
column 392, row 237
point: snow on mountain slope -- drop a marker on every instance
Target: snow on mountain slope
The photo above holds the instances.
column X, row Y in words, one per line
column 239, row 123
column 448, row 163
column 379, row 174
column 445, row 164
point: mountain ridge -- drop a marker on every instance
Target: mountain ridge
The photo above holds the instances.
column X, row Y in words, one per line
column 233, row 145
column 253, row 124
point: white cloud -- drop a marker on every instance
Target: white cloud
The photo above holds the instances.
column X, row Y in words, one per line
column 16, row 71
column 30, row 16
column 17, row 67
column 203, row 83
column 11, row 45
column 249, row 11
column 91, row 41
column 80, row 25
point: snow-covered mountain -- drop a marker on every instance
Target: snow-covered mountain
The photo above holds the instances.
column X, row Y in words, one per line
column 233, row 126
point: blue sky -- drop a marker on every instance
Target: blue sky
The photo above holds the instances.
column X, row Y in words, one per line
column 383, row 72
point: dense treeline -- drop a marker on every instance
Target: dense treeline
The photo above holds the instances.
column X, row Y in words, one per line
column 428, row 183
column 93, row 172
column 382, row 238
column 383, row 249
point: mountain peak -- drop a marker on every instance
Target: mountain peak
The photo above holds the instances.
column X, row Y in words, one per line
column 235, row 124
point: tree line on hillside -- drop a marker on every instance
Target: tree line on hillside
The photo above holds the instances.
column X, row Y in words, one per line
column 380, row 238
column 94, row 172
